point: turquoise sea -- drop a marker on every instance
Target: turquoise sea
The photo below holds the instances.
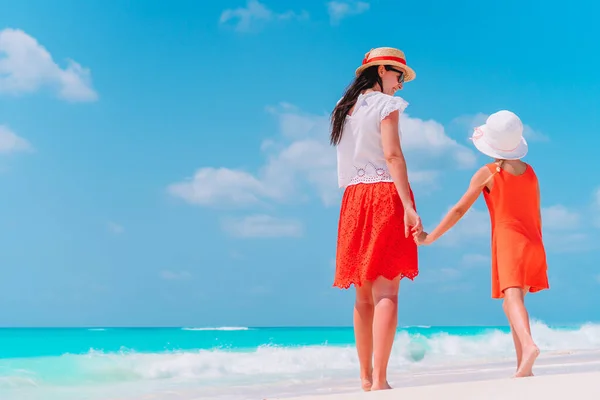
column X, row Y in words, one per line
column 234, row 362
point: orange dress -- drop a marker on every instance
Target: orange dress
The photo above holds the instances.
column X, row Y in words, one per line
column 518, row 254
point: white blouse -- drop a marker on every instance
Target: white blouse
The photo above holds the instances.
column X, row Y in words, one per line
column 360, row 152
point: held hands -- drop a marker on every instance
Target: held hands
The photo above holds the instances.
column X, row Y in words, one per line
column 422, row 238
column 412, row 219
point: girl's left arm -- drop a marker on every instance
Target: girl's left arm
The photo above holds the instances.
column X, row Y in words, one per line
column 478, row 182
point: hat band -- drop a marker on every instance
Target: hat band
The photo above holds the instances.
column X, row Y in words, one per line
column 480, row 135
column 384, row 58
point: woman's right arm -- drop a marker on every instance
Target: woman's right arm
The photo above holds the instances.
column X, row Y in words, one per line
column 394, row 157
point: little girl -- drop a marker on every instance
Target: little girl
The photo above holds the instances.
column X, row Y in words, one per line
column 511, row 191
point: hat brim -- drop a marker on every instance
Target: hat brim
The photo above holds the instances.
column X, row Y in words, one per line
column 409, row 73
column 519, row 152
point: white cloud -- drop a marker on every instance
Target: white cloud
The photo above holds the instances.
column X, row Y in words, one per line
column 429, row 137
column 307, row 160
column 115, row 228
column 595, row 208
column 11, row 143
column 473, row 226
column 471, row 260
column 339, row 10
column 236, row 255
column 571, row 242
column 26, row 66
column 449, row 273
column 262, row 226
column 220, row 186
column 534, row 135
column 471, row 121
column 443, row 278
column 559, row 217
column 255, row 14
column 423, row 177
column 299, row 162
column 170, row 275
column 562, row 230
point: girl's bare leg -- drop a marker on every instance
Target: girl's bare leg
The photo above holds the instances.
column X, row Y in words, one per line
column 363, row 333
column 525, row 291
column 519, row 320
column 516, row 342
column 385, row 294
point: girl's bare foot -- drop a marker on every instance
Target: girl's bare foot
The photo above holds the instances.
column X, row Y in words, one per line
column 381, row 386
column 530, row 354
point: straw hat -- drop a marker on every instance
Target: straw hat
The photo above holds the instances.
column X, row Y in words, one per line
column 501, row 137
column 387, row 56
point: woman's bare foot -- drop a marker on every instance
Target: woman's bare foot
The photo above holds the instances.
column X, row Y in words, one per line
column 381, row 386
column 530, row 354
column 522, row 376
column 366, row 379
column 366, row 384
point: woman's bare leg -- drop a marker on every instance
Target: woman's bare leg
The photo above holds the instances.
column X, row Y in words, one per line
column 519, row 320
column 363, row 333
column 385, row 294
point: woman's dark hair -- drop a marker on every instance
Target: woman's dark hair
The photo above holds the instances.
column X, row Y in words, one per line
column 366, row 80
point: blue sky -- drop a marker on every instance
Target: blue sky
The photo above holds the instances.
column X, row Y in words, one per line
column 167, row 163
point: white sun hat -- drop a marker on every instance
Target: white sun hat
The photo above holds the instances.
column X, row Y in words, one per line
column 501, row 136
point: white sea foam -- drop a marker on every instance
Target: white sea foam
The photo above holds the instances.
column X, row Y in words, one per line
column 223, row 328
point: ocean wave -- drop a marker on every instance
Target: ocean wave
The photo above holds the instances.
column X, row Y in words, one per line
column 494, row 343
column 274, row 364
column 223, row 328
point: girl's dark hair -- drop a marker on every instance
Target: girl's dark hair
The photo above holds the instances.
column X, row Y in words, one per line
column 366, row 80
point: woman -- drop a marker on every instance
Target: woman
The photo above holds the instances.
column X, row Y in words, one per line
column 375, row 249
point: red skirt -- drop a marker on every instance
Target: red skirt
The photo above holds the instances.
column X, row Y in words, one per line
column 371, row 240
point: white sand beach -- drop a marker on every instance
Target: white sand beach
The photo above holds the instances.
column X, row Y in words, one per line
column 577, row 386
column 558, row 376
